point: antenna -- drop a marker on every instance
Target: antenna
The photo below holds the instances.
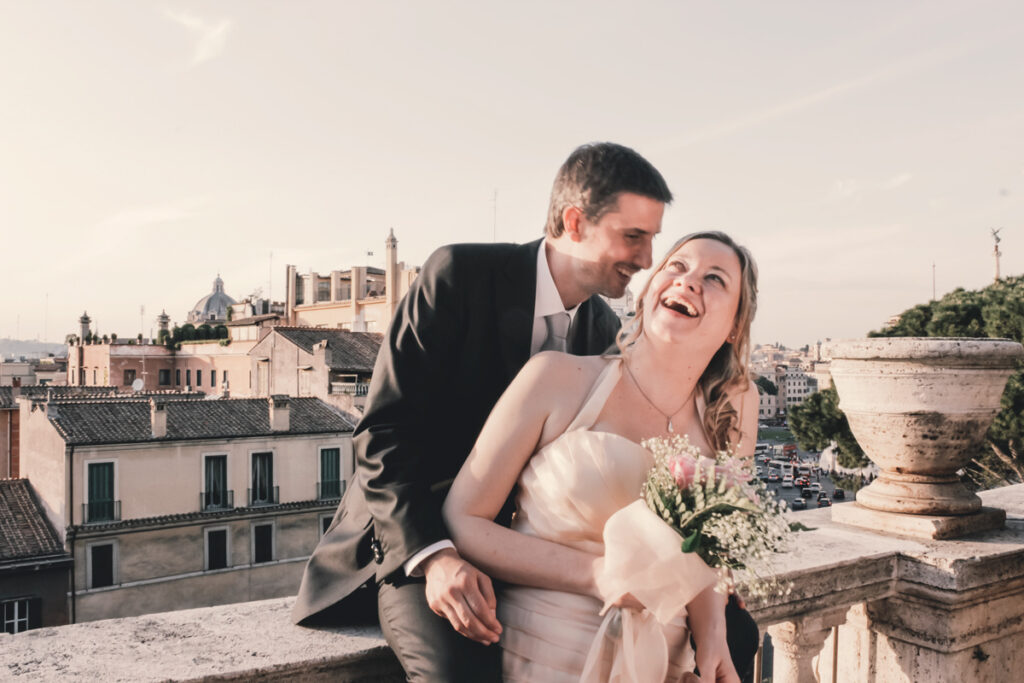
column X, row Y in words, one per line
column 933, row 280
column 270, row 279
column 494, row 228
column 996, row 252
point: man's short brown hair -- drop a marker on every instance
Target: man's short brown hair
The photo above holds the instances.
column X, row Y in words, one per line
column 593, row 177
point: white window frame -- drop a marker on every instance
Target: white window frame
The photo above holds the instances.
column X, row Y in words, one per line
column 115, row 562
column 206, row 547
column 202, row 469
column 341, row 460
column 273, row 540
column 22, row 619
column 273, row 468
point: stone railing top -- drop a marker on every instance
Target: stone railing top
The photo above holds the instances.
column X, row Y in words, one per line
column 245, row 641
column 836, row 565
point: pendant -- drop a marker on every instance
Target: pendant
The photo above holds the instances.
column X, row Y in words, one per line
column 670, row 426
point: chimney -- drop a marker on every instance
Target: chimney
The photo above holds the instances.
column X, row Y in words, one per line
column 280, row 413
column 158, row 416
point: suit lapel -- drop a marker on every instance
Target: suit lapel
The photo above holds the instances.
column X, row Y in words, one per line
column 516, row 291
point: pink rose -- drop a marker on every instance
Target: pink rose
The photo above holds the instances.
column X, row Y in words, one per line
column 683, row 468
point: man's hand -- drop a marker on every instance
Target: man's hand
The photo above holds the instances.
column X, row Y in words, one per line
column 707, row 623
column 462, row 594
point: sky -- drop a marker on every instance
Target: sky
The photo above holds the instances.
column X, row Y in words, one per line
column 146, row 147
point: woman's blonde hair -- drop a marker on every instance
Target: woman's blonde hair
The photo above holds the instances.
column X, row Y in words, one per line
column 728, row 370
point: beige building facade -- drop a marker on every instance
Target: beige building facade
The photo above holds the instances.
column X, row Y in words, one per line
column 360, row 299
column 171, row 504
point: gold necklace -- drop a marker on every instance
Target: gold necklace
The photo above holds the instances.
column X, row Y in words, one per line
column 667, row 416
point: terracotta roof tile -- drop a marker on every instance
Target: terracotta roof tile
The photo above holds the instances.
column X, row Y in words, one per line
column 24, row 530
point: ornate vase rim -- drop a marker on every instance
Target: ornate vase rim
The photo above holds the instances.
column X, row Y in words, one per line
column 924, row 348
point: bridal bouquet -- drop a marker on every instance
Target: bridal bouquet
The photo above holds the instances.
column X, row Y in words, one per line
column 723, row 514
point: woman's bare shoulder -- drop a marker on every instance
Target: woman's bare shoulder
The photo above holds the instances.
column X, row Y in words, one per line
column 564, row 371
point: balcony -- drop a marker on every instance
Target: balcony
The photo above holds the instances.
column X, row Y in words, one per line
column 865, row 606
column 211, row 501
column 99, row 511
column 330, row 490
column 263, row 496
column 353, row 388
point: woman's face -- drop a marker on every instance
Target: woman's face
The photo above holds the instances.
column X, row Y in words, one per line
column 694, row 297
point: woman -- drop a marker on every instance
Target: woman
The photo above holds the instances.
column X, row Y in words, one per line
column 568, row 430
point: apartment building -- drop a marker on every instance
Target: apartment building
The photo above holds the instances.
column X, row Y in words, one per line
column 170, row 503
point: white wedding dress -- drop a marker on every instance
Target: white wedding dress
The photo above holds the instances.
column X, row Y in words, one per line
column 567, row 493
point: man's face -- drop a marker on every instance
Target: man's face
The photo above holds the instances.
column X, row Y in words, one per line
column 612, row 250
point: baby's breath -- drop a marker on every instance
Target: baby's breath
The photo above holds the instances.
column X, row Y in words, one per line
column 738, row 523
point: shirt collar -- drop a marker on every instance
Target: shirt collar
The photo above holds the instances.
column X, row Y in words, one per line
column 548, row 300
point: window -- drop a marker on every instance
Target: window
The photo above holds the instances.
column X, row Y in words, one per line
column 164, row 378
column 199, row 378
column 213, row 378
column 217, row 495
column 263, row 491
column 94, row 376
column 325, row 523
column 323, row 290
column 216, row 548
column 101, row 506
column 262, row 543
column 304, row 381
column 330, row 473
column 177, row 378
column 101, row 565
column 188, row 378
column 299, row 294
column 224, row 377
column 21, row 614
column 129, row 377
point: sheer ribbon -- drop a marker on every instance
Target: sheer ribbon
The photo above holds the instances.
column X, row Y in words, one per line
column 642, row 557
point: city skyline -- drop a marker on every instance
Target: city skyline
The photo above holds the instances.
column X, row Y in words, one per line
column 149, row 147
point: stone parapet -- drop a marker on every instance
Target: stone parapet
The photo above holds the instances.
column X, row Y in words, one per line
column 867, row 606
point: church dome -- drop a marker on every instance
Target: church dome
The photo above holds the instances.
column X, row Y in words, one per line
column 212, row 308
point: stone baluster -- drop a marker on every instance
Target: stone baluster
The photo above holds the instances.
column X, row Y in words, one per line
column 798, row 642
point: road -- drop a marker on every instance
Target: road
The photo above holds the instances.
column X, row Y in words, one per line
column 793, row 492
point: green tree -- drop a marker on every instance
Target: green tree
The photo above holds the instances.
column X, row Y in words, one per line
column 766, row 386
column 818, row 421
column 220, row 332
column 204, row 331
column 188, row 332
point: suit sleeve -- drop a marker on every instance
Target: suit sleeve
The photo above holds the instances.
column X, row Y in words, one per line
column 393, row 446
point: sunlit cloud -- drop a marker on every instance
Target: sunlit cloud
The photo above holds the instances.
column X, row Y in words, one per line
column 899, row 69
column 843, row 189
column 210, row 37
column 898, row 181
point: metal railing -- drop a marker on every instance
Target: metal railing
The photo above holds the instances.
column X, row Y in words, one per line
column 216, row 500
column 260, row 498
column 101, row 511
column 354, row 388
column 330, row 489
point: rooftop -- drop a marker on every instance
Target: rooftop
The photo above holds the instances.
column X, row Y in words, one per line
column 7, row 399
column 127, row 420
column 350, row 351
column 25, row 531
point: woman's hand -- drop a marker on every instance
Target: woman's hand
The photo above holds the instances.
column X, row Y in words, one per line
column 707, row 623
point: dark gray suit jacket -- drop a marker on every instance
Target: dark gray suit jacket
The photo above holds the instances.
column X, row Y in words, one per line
column 461, row 334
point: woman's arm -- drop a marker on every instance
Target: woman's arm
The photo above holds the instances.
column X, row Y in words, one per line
column 534, row 410
column 748, row 405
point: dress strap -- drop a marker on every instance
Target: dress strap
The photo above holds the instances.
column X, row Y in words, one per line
column 599, row 394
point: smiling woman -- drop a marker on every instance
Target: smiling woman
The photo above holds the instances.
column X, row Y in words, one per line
column 567, row 433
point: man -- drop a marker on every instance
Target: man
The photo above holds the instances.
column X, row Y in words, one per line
column 469, row 322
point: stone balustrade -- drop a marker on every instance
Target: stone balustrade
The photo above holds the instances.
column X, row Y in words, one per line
column 865, row 607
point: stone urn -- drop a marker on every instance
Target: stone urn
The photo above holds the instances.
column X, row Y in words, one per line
column 919, row 407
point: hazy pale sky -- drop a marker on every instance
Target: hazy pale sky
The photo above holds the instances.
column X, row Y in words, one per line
column 147, row 146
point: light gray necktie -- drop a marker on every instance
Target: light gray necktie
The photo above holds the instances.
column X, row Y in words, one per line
column 558, row 330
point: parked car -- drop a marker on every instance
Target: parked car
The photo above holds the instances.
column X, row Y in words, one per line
column 823, row 500
column 798, row 504
column 840, row 494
